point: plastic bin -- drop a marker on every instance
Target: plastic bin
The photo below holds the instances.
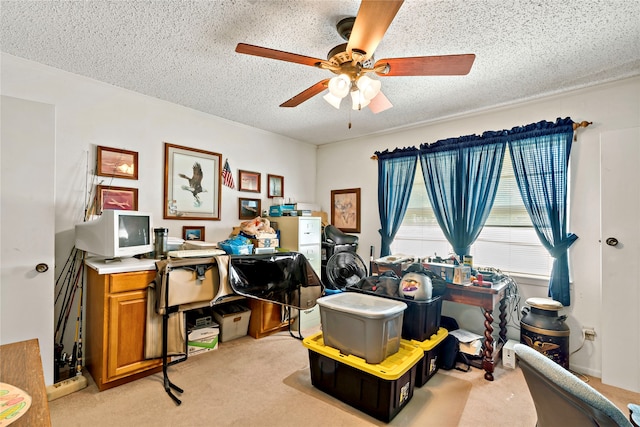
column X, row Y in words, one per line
column 421, row 318
column 233, row 320
column 428, row 365
column 362, row 325
column 380, row 390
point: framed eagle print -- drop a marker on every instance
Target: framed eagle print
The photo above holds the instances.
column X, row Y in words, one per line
column 192, row 183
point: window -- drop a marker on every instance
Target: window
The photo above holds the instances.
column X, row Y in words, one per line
column 508, row 240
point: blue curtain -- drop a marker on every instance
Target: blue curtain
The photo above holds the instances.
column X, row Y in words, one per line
column 396, row 172
column 540, row 157
column 461, row 177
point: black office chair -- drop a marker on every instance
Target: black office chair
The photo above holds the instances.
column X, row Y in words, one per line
column 562, row 399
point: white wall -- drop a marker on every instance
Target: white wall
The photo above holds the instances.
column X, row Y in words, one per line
column 91, row 113
column 610, row 106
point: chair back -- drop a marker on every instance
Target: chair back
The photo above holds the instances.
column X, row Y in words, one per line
column 562, row 399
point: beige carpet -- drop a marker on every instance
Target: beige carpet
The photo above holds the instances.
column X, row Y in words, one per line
column 439, row 402
column 249, row 382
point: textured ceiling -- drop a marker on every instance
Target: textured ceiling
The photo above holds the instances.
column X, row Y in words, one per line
column 184, row 52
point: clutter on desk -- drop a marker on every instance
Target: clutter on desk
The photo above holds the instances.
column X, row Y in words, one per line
column 237, row 245
column 256, row 232
column 290, row 207
column 457, row 274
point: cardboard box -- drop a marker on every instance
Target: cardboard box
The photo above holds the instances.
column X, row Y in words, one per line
column 266, row 242
column 202, row 340
column 457, row 274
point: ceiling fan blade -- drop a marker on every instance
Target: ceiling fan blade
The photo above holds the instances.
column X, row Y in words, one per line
column 379, row 103
column 265, row 52
column 372, row 21
column 445, row 65
column 306, row 94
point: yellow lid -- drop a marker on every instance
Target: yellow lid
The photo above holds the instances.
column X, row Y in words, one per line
column 433, row 340
column 391, row 368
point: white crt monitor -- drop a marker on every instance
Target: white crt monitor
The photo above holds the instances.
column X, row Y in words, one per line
column 116, row 234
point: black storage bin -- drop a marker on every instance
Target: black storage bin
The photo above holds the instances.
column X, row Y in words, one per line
column 421, row 318
column 377, row 390
column 428, row 366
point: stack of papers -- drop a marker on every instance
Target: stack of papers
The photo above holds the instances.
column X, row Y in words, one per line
column 470, row 343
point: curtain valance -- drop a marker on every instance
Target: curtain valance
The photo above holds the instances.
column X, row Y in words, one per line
column 531, row 130
column 397, row 153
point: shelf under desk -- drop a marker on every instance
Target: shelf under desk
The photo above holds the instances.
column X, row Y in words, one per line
column 487, row 299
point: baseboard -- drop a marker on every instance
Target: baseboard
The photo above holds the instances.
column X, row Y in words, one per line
column 66, row 387
column 585, row 370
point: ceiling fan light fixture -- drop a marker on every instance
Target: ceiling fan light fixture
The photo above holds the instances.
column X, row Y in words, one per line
column 368, row 87
column 339, row 86
column 333, row 100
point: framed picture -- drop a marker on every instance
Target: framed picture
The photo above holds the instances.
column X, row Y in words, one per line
column 249, row 181
column 193, row 233
column 192, row 183
column 119, row 198
column 248, row 208
column 276, row 186
column 117, row 163
column 345, row 209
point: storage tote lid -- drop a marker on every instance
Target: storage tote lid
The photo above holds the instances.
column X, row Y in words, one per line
column 391, row 368
column 433, row 340
column 362, row 305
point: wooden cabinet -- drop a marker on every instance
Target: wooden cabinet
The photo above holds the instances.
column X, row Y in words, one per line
column 116, row 313
column 266, row 318
column 302, row 234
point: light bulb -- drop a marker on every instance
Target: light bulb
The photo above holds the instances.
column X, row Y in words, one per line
column 339, row 86
column 368, row 86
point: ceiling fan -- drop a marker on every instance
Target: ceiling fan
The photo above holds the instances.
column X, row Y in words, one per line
column 352, row 61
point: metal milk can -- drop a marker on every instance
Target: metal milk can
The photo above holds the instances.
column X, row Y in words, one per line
column 543, row 330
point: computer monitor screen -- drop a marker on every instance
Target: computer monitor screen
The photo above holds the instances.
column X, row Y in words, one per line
column 116, row 234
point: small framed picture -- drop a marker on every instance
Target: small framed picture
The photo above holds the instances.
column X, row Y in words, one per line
column 276, row 186
column 118, row 198
column 249, row 181
column 248, row 208
column 193, row 233
column 117, row 163
column 345, row 209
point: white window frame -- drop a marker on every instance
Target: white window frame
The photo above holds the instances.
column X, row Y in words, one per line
column 508, row 241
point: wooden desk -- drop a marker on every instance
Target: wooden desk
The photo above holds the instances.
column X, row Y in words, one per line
column 21, row 366
column 485, row 298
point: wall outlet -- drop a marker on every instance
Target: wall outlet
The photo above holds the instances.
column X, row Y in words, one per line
column 589, row 334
